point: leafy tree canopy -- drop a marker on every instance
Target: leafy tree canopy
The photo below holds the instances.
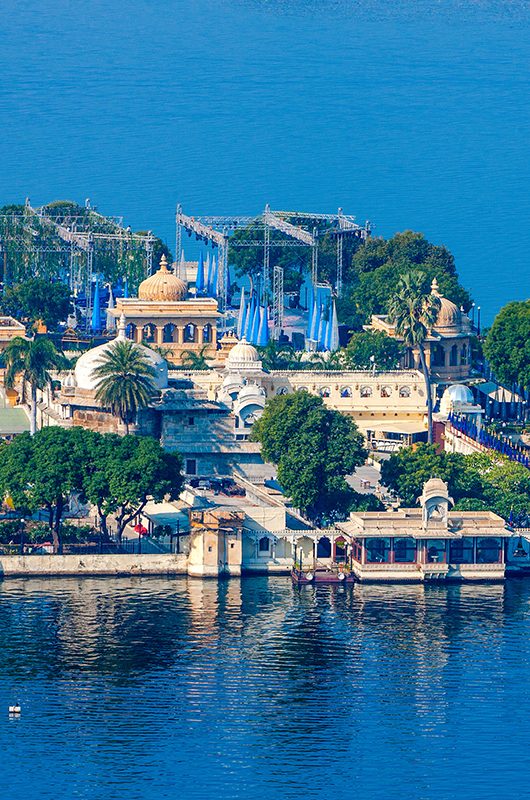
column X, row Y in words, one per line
column 314, row 448
column 507, row 345
column 37, row 299
column 116, row 474
column 479, row 481
column 365, row 344
column 377, row 266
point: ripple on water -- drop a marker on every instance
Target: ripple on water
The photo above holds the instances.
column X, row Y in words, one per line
column 152, row 688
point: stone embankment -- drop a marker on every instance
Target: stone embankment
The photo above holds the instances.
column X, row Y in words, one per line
column 92, row 565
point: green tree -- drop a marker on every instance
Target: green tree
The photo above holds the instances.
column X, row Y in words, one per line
column 505, row 484
column 413, row 310
column 37, row 299
column 134, row 470
column 406, row 471
column 367, row 345
column 192, row 359
column 314, row 448
column 377, row 265
column 275, row 356
column 41, row 471
column 125, row 381
column 33, row 361
column 507, row 345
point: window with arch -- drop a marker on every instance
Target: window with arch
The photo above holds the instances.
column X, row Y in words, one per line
column 386, row 391
column 324, row 547
column 130, row 331
column 168, row 333
column 148, row 332
column 190, row 332
column 207, row 333
column 366, row 391
column 264, row 544
column 346, row 391
column 453, row 356
column 282, row 390
column 404, row 391
column 464, row 355
column 437, row 356
column 325, row 391
column 302, row 389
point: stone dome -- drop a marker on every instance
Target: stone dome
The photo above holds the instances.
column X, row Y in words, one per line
column 86, row 364
column 455, row 395
column 449, row 315
column 163, row 285
column 251, row 390
column 243, row 352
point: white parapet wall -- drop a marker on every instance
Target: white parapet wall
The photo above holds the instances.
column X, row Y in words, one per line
column 92, row 565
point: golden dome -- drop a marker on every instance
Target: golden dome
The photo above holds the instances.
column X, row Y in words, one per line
column 449, row 315
column 163, row 285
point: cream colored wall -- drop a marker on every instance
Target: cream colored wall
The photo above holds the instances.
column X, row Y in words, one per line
column 315, row 382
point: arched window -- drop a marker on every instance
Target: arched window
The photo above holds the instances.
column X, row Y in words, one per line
column 282, row 390
column 453, row 358
column 302, row 389
column 386, row 391
column 437, row 356
column 264, row 544
column 404, row 391
column 148, row 332
column 366, row 391
column 463, row 357
column 324, row 548
column 207, row 333
column 190, row 332
column 168, row 333
column 130, row 331
column 325, row 391
column 345, row 391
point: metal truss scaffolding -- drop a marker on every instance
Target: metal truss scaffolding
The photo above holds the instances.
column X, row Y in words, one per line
column 217, row 231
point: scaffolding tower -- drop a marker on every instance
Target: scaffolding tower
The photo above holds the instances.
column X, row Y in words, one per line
column 217, row 230
column 56, row 241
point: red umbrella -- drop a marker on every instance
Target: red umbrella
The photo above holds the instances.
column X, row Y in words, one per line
column 140, row 529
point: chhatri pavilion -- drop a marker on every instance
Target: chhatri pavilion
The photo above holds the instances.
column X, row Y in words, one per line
column 164, row 316
column 448, row 344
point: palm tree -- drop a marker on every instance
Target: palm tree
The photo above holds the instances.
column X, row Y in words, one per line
column 413, row 312
column 275, row 356
column 32, row 359
column 327, row 361
column 125, row 380
column 193, row 360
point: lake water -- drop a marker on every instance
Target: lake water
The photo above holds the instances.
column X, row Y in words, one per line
column 152, row 689
column 410, row 113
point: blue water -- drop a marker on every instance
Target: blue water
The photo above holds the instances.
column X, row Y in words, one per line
column 153, row 689
column 410, row 113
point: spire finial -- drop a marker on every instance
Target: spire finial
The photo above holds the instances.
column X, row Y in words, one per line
column 434, row 288
column 163, row 263
column 122, row 325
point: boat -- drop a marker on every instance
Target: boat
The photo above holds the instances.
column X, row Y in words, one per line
column 338, row 574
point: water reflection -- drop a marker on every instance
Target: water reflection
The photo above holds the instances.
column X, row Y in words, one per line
column 220, row 688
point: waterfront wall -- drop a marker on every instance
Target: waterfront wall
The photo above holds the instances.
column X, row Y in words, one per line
column 93, row 565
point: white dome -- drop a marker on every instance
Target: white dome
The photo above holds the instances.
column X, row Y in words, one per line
column 457, row 394
column 251, row 390
column 86, row 364
column 242, row 352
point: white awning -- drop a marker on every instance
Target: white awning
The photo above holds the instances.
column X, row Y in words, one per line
column 498, row 393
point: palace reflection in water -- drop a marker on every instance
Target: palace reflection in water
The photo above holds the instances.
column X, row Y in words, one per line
column 153, row 688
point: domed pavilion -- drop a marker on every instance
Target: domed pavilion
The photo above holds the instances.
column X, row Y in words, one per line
column 164, row 316
column 447, row 346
